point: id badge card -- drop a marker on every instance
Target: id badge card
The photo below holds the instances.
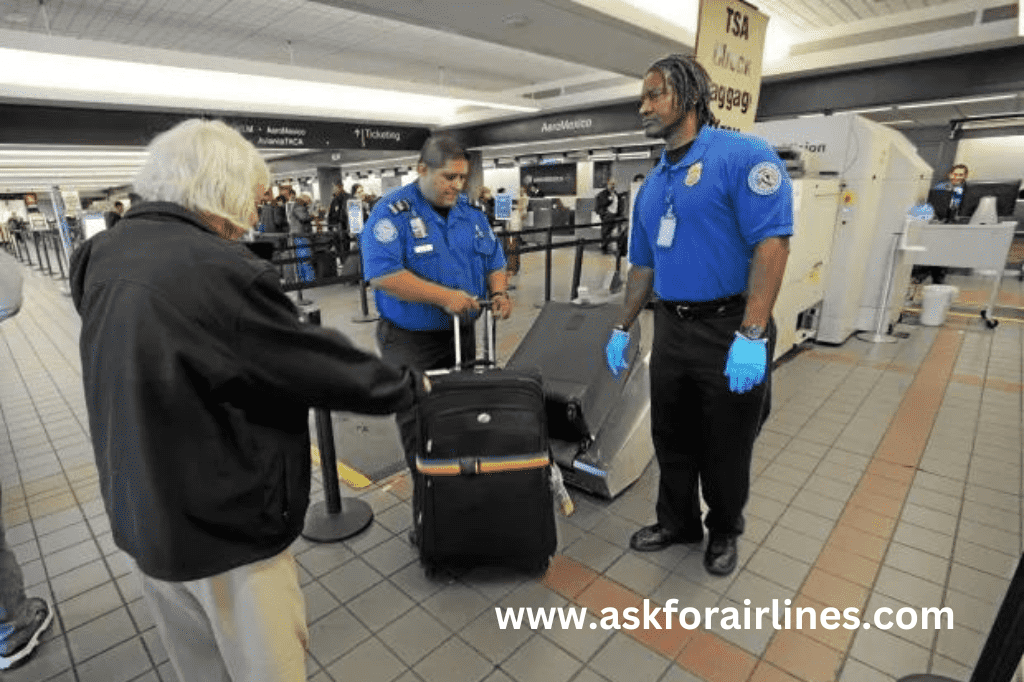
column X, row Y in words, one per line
column 666, row 230
column 419, row 228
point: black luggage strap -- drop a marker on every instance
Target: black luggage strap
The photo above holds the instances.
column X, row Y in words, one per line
column 470, row 466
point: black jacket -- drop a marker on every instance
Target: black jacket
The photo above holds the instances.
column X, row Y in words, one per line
column 198, row 380
column 337, row 214
column 604, row 199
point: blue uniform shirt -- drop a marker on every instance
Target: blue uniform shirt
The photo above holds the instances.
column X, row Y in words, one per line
column 727, row 194
column 404, row 232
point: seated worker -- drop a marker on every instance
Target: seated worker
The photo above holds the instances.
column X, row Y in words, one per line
column 429, row 255
column 955, row 186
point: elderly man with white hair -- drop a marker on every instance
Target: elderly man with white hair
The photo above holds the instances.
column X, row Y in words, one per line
column 199, row 376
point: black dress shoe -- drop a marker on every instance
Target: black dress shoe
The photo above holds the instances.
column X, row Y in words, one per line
column 655, row 537
column 721, row 555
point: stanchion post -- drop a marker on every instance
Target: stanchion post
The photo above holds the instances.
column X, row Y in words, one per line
column 577, row 270
column 363, row 302
column 327, row 521
column 547, row 263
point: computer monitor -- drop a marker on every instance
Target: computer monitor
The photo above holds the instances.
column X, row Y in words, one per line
column 1004, row 192
column 93, row 223
column 939, row 200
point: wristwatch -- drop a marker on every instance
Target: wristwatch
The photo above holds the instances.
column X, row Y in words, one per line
column 752, row 332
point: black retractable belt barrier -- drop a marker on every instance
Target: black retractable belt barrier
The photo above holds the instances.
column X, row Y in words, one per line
column 327, row 521
column 1001, row 655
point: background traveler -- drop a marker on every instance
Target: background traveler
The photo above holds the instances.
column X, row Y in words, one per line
column 23, row 619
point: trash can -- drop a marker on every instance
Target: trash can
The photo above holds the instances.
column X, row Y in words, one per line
column 937, row 299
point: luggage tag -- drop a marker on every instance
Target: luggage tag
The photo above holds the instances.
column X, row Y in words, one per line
column 667, row 226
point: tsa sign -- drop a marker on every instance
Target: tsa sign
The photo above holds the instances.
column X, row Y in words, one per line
column 355, row 216
column 503, row 207
column 730, row 46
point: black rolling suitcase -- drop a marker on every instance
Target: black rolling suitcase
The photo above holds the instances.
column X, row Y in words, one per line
column 484, row 468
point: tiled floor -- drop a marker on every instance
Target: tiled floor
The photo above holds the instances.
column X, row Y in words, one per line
column 888, row 476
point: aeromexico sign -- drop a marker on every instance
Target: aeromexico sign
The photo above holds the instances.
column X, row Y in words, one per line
column 614, row 118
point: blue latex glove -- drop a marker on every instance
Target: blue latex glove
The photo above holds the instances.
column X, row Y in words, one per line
column 615, row 351
column 746, row 364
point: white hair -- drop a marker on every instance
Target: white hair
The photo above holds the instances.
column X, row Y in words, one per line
column 207, row 167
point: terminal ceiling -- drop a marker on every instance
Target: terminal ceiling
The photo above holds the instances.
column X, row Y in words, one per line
column 496, row 58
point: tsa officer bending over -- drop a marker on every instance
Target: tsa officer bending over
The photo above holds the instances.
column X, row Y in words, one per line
column 430, row 255
column 711, row 229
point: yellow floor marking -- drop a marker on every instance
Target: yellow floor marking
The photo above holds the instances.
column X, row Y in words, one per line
column 346, row 473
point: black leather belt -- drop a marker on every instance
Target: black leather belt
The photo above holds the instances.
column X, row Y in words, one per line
column 694, row 310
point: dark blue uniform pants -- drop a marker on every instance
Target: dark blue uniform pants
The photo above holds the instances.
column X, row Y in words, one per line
column 702, row 431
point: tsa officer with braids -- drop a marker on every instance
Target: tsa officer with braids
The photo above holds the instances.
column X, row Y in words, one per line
column 711, row 228
column 430, row 255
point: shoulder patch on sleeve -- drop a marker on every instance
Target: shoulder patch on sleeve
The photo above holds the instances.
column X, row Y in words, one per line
column 765, row 178
column 385, row 231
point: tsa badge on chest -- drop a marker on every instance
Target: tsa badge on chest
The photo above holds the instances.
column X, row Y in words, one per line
column 693, row 174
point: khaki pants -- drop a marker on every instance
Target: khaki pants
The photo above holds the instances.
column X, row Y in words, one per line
column 245, row 625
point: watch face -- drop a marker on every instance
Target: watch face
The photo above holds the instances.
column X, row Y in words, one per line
column 752, row 332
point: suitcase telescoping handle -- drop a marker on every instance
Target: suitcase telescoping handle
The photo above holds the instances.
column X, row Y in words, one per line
column 490, row 356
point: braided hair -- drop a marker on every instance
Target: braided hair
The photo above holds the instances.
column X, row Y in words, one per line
column 691, row 84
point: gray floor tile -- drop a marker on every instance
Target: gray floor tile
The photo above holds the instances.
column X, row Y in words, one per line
column 778, row 568
column 977, row 584
column 917, row 562
column 453, row 661
column 371, row 661
column 909, row 588
column 540, row 660
column 855, row 671
column 334, row 635
column 594, row 552
column 582, row 643
column 380, row 605
column 637, row 574
column 119, row 664
column 100, row 634
column 350, row 579
column 456, row 606
column 319, row 602
column 89, row 605
column 623, row 658
column 800, row 546
column 888, row 653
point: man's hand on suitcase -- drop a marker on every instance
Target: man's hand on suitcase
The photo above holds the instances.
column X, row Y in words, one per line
column 501, row 304
column 459, row 303
column 615, row 351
